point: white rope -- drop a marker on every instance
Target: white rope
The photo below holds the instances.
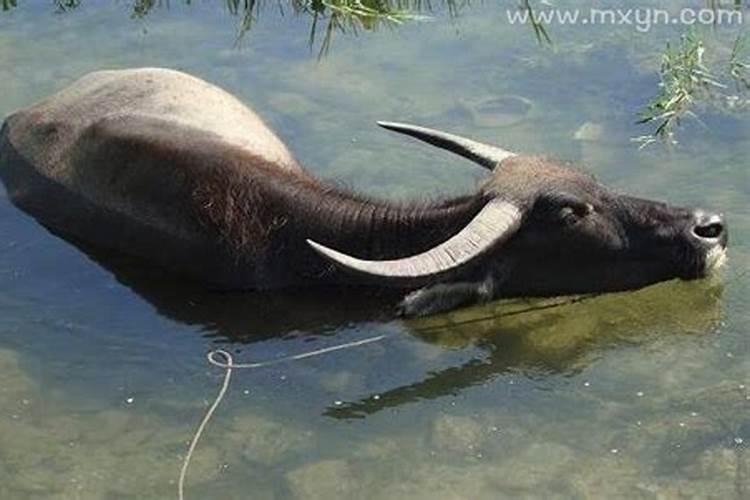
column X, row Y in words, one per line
column 204, row 422
column 229, row 365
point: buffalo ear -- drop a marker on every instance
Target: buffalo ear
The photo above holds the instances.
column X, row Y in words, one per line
column 485, row 155
column 495, row 223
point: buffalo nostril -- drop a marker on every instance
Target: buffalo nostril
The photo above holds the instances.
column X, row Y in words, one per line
column 710, row 231
column 709, row 226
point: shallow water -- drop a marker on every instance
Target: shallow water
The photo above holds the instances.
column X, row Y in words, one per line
column 638, row 395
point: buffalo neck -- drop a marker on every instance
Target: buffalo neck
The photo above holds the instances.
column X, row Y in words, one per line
column 263, row 209
column 374, row 228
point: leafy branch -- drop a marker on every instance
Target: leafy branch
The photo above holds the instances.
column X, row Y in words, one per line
column 686, row 79
column 738, row 68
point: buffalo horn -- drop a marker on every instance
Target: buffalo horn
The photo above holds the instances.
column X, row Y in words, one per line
column 484, row 154
column 493, row 225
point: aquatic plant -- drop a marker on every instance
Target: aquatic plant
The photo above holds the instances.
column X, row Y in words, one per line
column 737, row 66
column 540, row 30
column 344, row 16
column 64, row 5
column 351, row 16
column 685, row 79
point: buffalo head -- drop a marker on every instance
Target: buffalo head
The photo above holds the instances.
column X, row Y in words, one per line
column 546, row 229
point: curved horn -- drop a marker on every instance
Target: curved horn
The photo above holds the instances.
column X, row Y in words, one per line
column 484, row 154
column 493, row 225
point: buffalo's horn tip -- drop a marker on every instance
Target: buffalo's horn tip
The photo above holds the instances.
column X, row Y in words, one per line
column 334, row 255
column 485, row 155
column 321, row 249
column 314, row 244
column 388, row 125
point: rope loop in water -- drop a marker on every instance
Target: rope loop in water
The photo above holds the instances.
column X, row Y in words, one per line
column 228, row 364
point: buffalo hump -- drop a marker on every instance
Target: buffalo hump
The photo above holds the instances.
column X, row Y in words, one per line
column 114, row 160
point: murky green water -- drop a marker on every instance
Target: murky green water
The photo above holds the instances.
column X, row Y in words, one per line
column 103, row 376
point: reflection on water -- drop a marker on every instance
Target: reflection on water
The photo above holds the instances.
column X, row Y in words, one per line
column 636, row 395
column 247, row 317
column 347, row 17
column 542, row 337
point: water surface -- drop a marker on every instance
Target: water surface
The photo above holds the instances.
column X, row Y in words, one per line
column 637, row 395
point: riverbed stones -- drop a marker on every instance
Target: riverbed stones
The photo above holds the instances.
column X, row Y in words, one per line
column 590, row 131
column 107, row 425
column 267, row 442
column 437, row 481
column 16, row 384
column 326, row 480
column 456, row 434
column 498, row 110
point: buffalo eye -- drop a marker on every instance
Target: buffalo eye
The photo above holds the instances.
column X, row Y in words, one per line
column 573, row 212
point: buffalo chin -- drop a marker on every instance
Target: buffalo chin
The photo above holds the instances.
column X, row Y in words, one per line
column 705, row 264
column 715, row 259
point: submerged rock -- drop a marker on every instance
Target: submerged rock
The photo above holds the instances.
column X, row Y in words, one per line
column 457, row 434
column 16, row 384
column 429, row 481
column 326, row 480
column 590, row 131
column 498, row 111
column 263, row 441
column 107, row 425
column 385, row 448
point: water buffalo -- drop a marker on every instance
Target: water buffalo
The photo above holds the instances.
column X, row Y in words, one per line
column 166, row 167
